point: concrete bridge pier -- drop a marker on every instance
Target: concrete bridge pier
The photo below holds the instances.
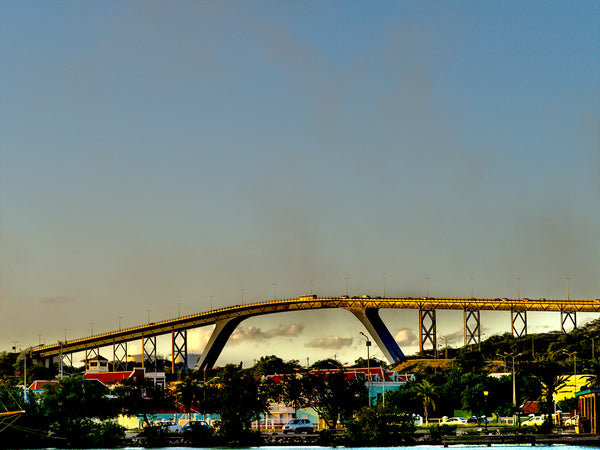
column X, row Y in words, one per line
column 381, row 335
column 223, row 330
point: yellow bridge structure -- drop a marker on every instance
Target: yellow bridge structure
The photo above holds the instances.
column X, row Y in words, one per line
column 365, row 308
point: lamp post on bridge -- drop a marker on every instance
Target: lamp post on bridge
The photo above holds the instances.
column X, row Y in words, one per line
column 368, row 343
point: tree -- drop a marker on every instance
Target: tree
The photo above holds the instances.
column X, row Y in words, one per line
column 70, row 406
column 426, row 392
column 549, row 373
column 381, row 425
column 188, row 392
column 289, row 391
column 141, row 398
column 236, row 396
column 326, row 364
column 271, row 365
column 334, row 395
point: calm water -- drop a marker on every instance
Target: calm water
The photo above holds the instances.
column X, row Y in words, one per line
column 414, row 447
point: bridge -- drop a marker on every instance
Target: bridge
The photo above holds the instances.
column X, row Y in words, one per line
column 365, row 309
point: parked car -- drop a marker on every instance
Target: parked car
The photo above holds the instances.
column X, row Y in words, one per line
column 455, row 421
column 298, row 426
column 533, row 421
column 572, row 421
column 193, row 424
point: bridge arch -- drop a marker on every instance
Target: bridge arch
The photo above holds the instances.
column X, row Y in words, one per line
column 365, row 309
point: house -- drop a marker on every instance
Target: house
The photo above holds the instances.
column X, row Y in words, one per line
column 97, row 368
column 378, row 380
column 589, row 409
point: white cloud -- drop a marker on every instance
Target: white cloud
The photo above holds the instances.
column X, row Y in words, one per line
column 330, row 342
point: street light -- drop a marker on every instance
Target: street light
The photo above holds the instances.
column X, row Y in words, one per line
column 514, row 386
column 574, row 366
column 485, row 395
column 368, row 343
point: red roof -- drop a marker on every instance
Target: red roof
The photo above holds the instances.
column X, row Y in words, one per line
column 40, row 384
column 116, row 377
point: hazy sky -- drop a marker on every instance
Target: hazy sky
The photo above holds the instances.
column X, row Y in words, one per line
column 160, row 156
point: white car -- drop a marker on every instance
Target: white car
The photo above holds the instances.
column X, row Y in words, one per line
column 455, row 421
column 298, row 426
column 572, row 421
column 533, row 421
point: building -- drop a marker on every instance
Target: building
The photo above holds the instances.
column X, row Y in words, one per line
column 589, row 409
column 97, row 368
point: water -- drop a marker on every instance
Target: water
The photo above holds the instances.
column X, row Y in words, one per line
column 412, row 447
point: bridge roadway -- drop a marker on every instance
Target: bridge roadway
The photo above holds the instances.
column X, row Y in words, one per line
column 364, row 308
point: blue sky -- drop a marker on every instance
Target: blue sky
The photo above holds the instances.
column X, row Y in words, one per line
column 160, row 156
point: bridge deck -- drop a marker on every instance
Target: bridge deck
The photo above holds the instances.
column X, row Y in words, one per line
column 310, row 302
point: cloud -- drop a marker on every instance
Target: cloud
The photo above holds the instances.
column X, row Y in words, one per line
column 245, row 334
column 285, row 330
column 456, row 337
column 56, row 300
column 330, row 343
column 405, row 336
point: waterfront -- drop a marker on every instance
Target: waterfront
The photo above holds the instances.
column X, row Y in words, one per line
column 416, row 447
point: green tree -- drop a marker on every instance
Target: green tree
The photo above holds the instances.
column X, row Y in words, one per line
column 381, row 425
column 271, row 365
column 236, row 396
column 426, row 392
column 71, row 404
column 550, row 374
column 188, row 393
column 141, row 398
column 333, row 395
column 326, row 364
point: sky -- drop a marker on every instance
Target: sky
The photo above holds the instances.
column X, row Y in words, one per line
column 165, row 157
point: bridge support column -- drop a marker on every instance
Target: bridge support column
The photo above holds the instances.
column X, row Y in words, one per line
column 91, row 353
column 428, row 329
column 179, row 356
column 218, row 339
column 518, row 323
column 149, row 352
column 119, row 356
column 380, row 334
column 472, row 327
column 64, row 360
column 567, row 318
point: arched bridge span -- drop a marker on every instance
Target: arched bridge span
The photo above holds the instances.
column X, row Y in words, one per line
column 365, row 309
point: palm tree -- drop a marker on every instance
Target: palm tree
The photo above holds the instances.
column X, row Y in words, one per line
column 187, row 393
column 425, row 391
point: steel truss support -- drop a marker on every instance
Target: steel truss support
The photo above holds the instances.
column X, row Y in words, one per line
column 149, row 352
column 380, row 333
column 179, row 356
column 427, row 329
column 518, row 323
column 119, row 356
column 567, row 318
column 91, row 353
column 472, row 327
column 65, row 360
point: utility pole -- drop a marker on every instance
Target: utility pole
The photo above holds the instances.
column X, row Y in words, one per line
column 368, row 368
